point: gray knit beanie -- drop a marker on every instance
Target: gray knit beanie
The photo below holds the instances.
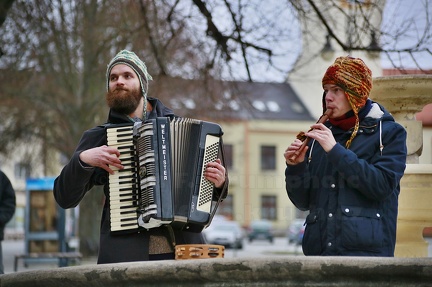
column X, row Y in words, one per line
column 131, row 59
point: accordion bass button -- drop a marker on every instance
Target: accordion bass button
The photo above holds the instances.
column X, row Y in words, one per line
column 142, row 172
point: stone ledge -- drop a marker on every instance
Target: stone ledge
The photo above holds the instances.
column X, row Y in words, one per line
column 287, row 271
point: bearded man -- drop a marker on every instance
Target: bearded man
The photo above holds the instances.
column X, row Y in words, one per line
column 127, row 85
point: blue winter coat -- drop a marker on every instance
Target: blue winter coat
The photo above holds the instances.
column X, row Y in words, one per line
column 352, row 194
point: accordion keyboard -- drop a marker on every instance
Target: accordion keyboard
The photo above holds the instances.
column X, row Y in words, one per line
column 123, row 184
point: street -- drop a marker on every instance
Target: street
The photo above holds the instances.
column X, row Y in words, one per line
column 280, row 247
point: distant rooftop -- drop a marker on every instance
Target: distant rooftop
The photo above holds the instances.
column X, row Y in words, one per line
column 230, row 100
column 393, row 72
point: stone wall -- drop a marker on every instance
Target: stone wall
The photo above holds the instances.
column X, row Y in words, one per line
column 288, row 271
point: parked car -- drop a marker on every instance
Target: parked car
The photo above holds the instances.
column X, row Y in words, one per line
column 227, row 233
column 295, row 231
column 260, row 230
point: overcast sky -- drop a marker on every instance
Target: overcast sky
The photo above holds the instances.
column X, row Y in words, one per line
column 415, row 16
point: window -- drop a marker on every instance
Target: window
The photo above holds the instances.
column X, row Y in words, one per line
column 22, row 170
column 226, row 207
column 228, row 155
column 268, row 207
column 268, row 157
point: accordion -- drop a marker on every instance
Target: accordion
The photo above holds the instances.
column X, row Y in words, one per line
column 162, row 182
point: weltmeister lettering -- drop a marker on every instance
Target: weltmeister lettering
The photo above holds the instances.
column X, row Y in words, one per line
column 164, row 153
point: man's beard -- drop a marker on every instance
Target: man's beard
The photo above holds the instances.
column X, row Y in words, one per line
column 124, row 101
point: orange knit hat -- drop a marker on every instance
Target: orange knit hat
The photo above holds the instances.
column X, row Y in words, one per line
column 355, row 78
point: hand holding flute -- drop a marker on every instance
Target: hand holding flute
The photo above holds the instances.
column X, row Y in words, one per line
column 295, row 153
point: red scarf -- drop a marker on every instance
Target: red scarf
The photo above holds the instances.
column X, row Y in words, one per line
column 344, row 122
column 348, row 120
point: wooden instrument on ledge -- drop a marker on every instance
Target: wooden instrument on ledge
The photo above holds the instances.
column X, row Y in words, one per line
column 198, row 251
column 301, row 136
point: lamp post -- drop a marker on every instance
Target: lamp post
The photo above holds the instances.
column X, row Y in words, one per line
column 327, row 52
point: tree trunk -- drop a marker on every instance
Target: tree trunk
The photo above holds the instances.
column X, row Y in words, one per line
column 89, row 221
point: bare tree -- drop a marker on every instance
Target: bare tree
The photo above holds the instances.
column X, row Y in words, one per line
column 268, row 34
column 403, row 30
column 4, row 7
column 54, row 65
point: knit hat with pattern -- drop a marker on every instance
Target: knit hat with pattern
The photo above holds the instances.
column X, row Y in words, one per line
column 355, row 78
column 131, row 59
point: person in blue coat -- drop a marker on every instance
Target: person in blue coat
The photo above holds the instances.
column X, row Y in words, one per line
column 92, row 161
column 348, row 176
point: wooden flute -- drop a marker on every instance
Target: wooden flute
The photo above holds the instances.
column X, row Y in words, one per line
column 301, row 136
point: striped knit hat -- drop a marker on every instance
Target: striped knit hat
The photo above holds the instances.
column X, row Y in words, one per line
column 131, row 59
column 355, row 78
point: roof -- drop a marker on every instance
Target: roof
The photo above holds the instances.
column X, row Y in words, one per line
column 230, row 100
column 392, row 72
column 425, row 116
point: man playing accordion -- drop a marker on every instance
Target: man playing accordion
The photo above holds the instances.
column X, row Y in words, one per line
column 90, row 165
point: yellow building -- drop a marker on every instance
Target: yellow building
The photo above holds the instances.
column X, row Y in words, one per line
column 257, row 182
column 259, row 121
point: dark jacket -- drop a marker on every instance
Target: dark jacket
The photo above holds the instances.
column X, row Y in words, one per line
column 7, row 202
column 352, row 194
column 76, row 179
